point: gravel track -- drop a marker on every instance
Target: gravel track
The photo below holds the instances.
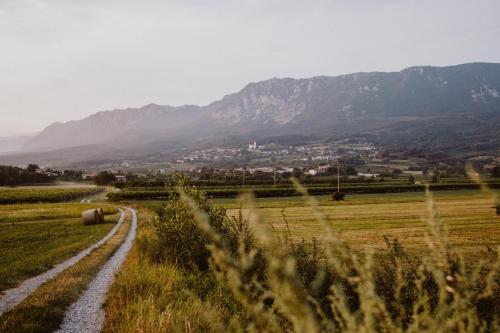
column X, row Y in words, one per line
column 13, row 297
column 87, row 314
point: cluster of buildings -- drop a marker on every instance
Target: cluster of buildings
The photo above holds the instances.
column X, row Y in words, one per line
column 323, row 169
column 43, row 170
column 208, row 155
column 253, row 146
column 319, row 152
column 314, row 159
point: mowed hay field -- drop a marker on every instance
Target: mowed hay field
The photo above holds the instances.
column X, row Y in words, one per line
column 364, row 220
column 34, row 237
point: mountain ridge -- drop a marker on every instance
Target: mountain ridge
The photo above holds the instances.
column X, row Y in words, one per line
column 364, row 103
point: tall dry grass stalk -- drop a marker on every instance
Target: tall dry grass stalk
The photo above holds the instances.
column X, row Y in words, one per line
column 474, row 175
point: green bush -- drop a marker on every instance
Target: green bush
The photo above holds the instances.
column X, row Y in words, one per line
column 177, row 237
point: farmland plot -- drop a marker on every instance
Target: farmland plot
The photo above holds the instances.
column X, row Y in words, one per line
column 34, row 237
column 365, row 219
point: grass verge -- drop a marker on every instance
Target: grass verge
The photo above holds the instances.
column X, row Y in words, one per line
column 149, row 297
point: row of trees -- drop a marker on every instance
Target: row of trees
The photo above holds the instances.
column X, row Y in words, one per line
column 34, row 174
column 13, row 176
column 104, row 178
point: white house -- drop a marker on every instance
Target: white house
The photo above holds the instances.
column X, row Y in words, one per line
column 312, row 172
column 368, row 174
column 121, row 179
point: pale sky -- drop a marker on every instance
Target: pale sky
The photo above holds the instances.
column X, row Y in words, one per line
column 66, row 59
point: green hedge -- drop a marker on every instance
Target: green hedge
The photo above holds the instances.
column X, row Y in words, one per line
column 34, row 195
column 287, row 192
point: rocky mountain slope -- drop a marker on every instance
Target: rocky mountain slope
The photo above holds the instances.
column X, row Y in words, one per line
column 363, row 102
column 433, row 107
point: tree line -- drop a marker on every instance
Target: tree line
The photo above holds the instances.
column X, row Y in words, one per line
column 13, row 176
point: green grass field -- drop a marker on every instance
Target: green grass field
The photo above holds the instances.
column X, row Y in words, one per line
column 34, row 237
column 45, row 194
column 43, row 311
column 365, row 219
column 57, row 184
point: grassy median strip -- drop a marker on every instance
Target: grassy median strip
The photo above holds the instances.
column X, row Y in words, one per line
column 44, row 310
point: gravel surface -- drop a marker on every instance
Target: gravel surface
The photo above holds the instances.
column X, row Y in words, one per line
column 87, row 200
column 87, row 314
column 12, row 297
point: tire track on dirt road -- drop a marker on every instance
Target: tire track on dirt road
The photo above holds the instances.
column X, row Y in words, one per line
column 87, row 314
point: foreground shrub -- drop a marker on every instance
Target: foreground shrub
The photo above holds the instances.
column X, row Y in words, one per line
column 176, row 237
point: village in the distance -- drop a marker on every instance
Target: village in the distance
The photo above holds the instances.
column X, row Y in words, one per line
column 361, row 160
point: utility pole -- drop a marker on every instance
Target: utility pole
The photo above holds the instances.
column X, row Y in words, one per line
column 338, row 177
column 274, row 179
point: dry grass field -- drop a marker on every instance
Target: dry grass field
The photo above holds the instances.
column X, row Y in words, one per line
column 364, row 220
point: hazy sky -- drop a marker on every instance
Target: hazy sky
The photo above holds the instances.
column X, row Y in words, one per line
column 65, row 59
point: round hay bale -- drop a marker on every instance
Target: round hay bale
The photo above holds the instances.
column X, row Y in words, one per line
column 90, row 216
column 338, row 196
column 101, row 215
